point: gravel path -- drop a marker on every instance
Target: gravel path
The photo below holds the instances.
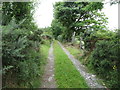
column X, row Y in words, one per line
column 90, row 78
column 48, row 77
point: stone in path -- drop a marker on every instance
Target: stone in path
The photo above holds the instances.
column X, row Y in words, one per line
column 90, row 78
column 48, row 77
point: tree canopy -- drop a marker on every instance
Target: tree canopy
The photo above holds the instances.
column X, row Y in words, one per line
column 79, row 16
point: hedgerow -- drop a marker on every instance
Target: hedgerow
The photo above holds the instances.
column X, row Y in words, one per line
column 104, row 61
column 21, row 50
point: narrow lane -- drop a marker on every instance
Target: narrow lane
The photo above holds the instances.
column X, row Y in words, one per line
column 90, row 78
column 48, row 77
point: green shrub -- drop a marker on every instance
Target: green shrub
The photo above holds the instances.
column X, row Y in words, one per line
column 20, row 49
column 28, row 71
column 14, row 45
column 104, row 60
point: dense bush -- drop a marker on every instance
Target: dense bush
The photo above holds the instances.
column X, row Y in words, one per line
column 90, row 37
column 104, row 61
column 20, row 49
column 21, row 40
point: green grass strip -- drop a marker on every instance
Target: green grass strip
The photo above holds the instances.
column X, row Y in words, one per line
column 66, row 74
column 44, row 50
column 74, row 51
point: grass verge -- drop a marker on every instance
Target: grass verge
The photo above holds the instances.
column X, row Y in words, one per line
column 44, row 49
column 74, row 51
column 66, row 74
column 83, row 59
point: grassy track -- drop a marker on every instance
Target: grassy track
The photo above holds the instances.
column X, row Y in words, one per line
column 76, row 53
column 44, row 49
column 66, row 74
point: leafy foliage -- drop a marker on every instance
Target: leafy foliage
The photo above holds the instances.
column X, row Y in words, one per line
column 105, row 58
column 20, row 45
column 21, row 52
column 56, row 28
column 89, row 23
column 78, row 17
column 18, row 10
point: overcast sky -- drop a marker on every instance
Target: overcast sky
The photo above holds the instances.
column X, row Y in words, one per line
column 44, row 14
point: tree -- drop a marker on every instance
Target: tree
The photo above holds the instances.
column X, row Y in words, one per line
column 20, row 45
column 114, row 2
column 79, row 17
column 56, row 28
column 17, row 10
column 68, row 16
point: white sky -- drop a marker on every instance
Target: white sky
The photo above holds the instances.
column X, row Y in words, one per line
column 44, row 14
column 112, row 13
